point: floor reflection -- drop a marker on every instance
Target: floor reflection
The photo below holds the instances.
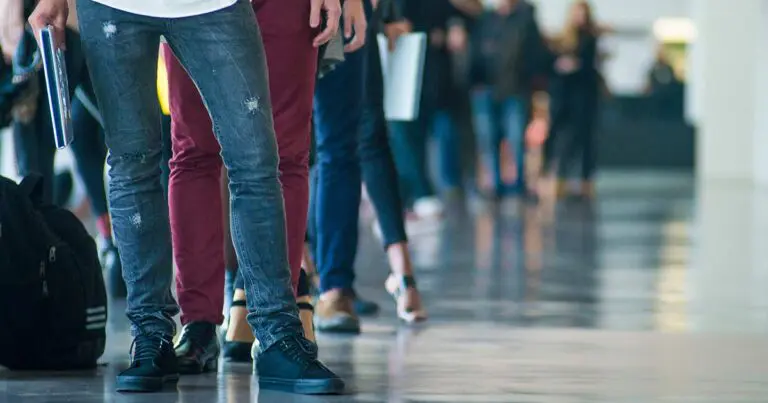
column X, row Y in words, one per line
column 654, row 292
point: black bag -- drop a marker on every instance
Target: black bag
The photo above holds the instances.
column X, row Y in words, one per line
column 53, row 304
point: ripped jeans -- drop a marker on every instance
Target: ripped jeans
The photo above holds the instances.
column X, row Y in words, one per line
column 224, row 55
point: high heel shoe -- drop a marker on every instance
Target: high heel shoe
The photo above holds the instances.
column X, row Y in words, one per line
column 397, row 287
column 236, row 351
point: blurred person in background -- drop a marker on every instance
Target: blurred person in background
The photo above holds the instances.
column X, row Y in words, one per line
column 661, row 75
column 508, row 51
column 575, row 90
column 664, row 87
column 438, row 99
column 33, row 131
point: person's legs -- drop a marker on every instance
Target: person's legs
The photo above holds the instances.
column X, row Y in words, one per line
column 447, row 135
column 409, row 139
column 377, row 164
column 123, row 67
column 228, row 66
column 196, row 221
column 90, row 153
column 194, row 201
column 486, row 122
column 569, row 150
column 338, row 107
column 585, row 126
column 238, row 102
column 126, row 65
column 380, row 177
column 34, row 147
column 292, row 62
column 90, row 156
column 514, row 119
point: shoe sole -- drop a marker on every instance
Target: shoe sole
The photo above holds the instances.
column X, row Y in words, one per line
column 140, row 384
column 334, row 386
column 194, row 368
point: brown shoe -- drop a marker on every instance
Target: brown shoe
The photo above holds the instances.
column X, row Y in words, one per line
column 335, row 313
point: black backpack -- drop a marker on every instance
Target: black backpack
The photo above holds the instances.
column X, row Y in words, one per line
column 53, row 303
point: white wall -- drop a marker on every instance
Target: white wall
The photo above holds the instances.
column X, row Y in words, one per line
column 728, row 96
column 633, row 49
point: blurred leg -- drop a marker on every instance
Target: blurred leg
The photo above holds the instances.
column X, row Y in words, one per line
column 34, row 147
column 445, row 130
column 514, row 119
column 487, row 128
column 378, row 167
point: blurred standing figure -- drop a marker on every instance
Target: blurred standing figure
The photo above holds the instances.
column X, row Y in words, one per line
column 575, row 90
column 508, row 51
column 410, row 139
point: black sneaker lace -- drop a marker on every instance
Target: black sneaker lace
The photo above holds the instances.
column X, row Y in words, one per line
column 299, row 349
column 146, row 348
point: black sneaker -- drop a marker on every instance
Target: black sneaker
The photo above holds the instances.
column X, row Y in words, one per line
column 198, row 349
column 291, row 365
column 153, row 363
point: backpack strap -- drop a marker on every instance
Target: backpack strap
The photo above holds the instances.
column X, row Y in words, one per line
column 32, row 186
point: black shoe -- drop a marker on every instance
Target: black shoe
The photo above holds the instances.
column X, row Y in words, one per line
column 291, row 365
column 304, row 287
column 153, row 363
column 198, row 349
column 110, row 261
column 236, row 351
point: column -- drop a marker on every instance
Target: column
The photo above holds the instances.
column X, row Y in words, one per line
column 725, row 100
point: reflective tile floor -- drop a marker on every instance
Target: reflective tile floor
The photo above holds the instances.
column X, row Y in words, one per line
column 657, row 292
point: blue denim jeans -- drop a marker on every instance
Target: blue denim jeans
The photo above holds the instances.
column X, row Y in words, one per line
column 336, row 177
column 224, row 55
column 410, row 142
column 497, row 120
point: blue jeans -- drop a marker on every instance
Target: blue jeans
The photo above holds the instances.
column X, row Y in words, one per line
column 410, row 144
column 336, row 177
column 224, row 55
column 497, row 120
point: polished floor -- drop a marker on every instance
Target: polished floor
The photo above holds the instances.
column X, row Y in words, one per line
column 654, row 293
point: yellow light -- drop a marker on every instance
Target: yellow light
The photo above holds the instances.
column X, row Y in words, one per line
column 674, row 30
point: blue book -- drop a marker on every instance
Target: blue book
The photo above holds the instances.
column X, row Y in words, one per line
column 57, row 85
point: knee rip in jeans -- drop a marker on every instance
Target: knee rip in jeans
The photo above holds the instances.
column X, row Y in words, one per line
column 252, row 104
column 109, row 28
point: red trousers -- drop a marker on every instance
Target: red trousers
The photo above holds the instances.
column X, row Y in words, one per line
column 194, row 190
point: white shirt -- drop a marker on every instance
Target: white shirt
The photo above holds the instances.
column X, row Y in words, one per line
column 168, row 8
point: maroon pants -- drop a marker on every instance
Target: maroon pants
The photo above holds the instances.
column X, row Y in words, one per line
column 194, row 189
